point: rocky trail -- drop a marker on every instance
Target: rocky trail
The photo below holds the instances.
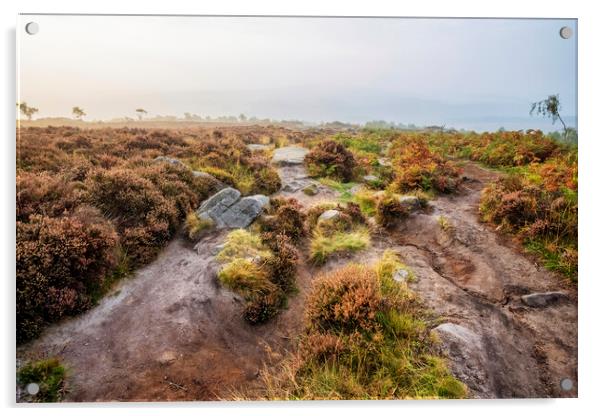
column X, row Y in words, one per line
column 171, row 332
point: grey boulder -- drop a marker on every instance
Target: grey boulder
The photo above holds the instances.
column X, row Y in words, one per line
column 539, row 300
column 228, row 210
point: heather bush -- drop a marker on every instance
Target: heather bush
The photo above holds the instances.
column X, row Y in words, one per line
column 60, row 263
column 285, row 216
column 331, row 159
column 418, row 168
column 539, row 204
column 365, row 338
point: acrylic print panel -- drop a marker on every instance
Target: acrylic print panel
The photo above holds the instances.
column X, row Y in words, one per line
column 220, row 208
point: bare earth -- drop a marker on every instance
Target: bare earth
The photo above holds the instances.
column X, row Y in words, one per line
column 172, row 333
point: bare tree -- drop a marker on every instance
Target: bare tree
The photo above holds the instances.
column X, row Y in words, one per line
column 141, row 112
column 78, row 112
column 26, row 110
column 550, row 107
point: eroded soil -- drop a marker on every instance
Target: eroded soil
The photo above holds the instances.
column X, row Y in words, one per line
column 171, row 332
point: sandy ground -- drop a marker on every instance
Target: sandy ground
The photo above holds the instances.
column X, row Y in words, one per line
column 172, row 333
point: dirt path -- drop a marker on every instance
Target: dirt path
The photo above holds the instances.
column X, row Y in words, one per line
column 172, row 333
column 472, row 277
column 168, row 333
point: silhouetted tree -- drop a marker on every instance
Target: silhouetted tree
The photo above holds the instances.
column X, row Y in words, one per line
column 141, row 112
column 550, row 107
column 26, row 110
column 78, row 112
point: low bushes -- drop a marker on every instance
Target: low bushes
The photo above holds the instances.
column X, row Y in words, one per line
column 418, row 168
column 331, row 159
column 364, row 339
column 539, row 204
column 285, row 216
column 390, row 211
column 48, row 374
column 60, row 263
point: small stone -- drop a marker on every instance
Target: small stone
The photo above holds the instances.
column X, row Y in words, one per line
column 330, row 215
column 167, row 357
column 401, row 275
column 539, row 300
column 170, row 160
column 370, row 178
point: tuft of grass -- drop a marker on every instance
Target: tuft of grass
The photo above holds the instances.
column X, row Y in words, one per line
column 367, row 201
column 245, row 277
column 195, row 226
column 362, row 342
column 444, row 223
column 48, row 374
column 242, row 244
column 324, row 246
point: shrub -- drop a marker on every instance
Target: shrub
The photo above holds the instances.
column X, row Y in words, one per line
column 390, row 211
column 542, row 210
column 331, row 159
column 365, row 338
column 323, row 246
column 60, row 262
column 48, row 374
column 418, row 168
column 346, row 299
column 285, row 217
column 282, row 266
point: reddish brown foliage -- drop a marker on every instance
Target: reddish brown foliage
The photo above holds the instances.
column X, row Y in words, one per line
column 331, row 159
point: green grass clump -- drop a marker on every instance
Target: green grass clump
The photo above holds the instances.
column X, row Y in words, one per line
column 324, row 246
column 363, row 341
column 261, row 268
column 48, row 374
column 242, row 244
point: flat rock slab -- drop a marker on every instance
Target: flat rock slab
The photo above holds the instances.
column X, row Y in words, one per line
column 290, row 155
column 228, row 210
column 540, row 300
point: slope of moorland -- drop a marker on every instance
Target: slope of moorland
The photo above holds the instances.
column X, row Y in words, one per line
column 402, row 267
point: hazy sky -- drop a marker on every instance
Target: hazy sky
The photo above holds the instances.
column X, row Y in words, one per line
column 478, row 74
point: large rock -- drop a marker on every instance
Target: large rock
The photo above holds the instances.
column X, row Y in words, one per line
column 370, row 178
column 539, row 300
column 290, row 155
column 242, row 214
column 467, row 355
column 228, row 210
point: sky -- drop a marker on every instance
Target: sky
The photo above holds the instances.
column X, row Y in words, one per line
column 477, row 74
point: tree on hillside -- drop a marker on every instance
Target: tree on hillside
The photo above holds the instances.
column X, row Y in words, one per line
column 141, row 112
column 550, row 107
column 242, row 117
column 78, row 112
column 26, row 110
